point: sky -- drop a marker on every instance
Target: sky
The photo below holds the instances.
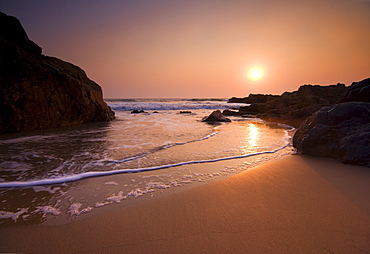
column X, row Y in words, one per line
column 203, row 48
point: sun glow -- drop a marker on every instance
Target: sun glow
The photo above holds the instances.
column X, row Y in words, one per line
column 255, row 73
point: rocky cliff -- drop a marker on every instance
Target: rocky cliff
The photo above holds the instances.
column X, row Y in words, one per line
column 39, row 92
column 291, row 107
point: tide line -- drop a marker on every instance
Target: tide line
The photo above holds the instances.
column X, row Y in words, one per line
column 77, row 177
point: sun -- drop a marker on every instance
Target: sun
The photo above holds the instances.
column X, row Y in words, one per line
column 255, row 73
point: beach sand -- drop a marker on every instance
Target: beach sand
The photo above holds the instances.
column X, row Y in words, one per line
column 297, row 204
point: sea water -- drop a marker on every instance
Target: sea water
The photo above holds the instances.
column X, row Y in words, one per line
column 144, row 153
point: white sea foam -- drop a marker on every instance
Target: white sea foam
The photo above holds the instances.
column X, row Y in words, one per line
column 111, row 183
column 157, row 185
column 76, row 177
column 74, row 209
column 115, row 198
column 175, row 183
column 148, row 142
column 101, row 204
column 13, row 215
column 47, row 210
column 170, row 104
column 136, row 193
column 86, row 209
column 131, row 144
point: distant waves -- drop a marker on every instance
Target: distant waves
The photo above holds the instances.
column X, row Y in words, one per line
column 170, row 104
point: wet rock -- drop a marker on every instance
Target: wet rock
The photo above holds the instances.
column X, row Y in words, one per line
column 39, row 92
column 341, row 131
column 228, row 112
column 136, row 111
column 216, row 116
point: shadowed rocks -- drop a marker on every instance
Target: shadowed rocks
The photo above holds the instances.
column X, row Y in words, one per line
column 39, row 92
column 341, row 131
column 137, row 111
column 216, row 116
column 291, row 107
column 334, row 120
column 358, row 91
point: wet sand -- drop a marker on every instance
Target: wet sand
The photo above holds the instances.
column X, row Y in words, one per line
column 297, row 204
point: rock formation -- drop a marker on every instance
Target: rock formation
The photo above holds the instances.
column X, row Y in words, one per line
column 341, row 131
column 358, row 91
column 334, row 120
column 216, row 116
column 254, row 98
column 291, row 107
column 137, row 111
column 40, row 92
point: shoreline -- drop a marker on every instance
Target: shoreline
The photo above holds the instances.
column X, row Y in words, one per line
column 293, row 204
column 98, row 195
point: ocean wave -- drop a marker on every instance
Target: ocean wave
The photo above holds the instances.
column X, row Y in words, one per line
column 77, row 177
column 164, row 99
column 159, row 105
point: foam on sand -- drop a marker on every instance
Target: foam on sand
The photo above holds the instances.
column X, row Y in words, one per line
column 74, row 209
column 13, row 215
column 47, row 210
column 296, row 204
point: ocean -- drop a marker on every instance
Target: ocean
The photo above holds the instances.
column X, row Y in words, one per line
column 143, row 154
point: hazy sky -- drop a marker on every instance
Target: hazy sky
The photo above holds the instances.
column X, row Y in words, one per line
column 202, row 48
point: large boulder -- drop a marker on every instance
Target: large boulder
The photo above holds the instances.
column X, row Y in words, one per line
column 341, row 131
column 40, row 92
column 216, row 116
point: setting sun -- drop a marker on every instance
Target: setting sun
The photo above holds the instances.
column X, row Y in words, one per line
column 255, row 73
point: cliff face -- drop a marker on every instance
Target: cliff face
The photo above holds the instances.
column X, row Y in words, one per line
column 40, row 92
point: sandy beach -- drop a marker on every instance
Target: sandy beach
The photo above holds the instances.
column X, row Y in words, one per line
column 297, row 204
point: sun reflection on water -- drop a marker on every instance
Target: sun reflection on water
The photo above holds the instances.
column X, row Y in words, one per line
column 253, row 135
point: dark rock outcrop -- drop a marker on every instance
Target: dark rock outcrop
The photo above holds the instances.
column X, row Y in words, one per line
column 334, row 120
column 228, row 112
column 137, row 111
column 292, row 107
column 341, row 131
column 216, row 116
column 254, row 98
column 358, row 91
column 40, row 92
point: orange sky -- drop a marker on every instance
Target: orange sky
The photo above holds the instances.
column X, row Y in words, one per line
column 202, row 48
